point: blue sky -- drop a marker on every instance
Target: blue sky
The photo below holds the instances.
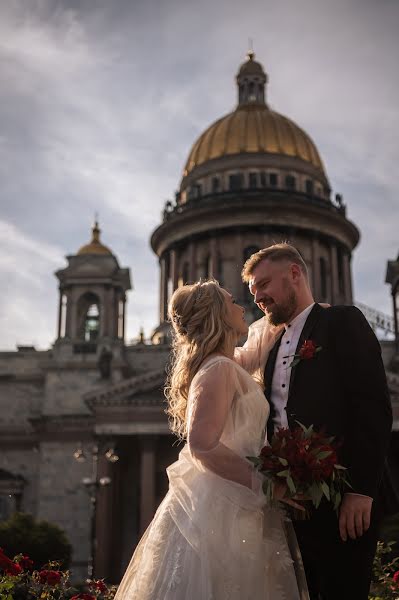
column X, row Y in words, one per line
column 101, row 101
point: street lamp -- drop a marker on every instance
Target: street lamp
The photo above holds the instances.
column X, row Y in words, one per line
column 92, row 484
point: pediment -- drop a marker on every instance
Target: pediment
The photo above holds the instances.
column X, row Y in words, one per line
column 139, row 390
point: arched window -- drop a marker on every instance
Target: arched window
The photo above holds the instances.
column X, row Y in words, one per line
column 273, row 179
column 253, row 180
column 89, row 317
column 215, row 185
column 309, row 187
column 290, row 182
column 92, row 323
column 235, row 182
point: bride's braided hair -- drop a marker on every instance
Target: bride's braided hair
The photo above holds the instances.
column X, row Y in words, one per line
column 197, row 313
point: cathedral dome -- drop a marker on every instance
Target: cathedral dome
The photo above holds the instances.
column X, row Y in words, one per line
column 95, row 246
column 253, row 128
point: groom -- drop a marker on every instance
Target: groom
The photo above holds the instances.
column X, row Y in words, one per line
column 342, row 389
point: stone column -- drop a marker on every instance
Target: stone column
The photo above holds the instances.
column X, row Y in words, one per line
column 147, row 480
column 347, row 278
column 213, row 259
column 104, row 520
column 174, row 269
column 72, row 317
column 123, row 316
column 192, row 267
column 395, row 317
column 60, row 307
column 315, row 269
column 163, row 291
column 333, row 274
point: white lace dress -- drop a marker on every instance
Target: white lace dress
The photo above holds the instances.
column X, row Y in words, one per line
column 212, row 537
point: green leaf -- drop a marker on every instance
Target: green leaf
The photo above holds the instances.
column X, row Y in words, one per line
column 340, row 468
column 285, row 473
column 322, row 455
column 254, row 460
column 291, row 484
column 326, row 490
column 316, row 494
column 283, row 461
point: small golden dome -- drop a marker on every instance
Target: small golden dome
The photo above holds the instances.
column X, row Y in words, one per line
column 253, row 129
column 94, row 246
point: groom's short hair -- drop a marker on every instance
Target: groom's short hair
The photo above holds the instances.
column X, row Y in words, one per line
column 275, row 253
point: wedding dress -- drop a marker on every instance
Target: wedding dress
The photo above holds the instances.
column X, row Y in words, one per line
column 213, row 537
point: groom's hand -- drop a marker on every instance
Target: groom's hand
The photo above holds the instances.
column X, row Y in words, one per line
column 354, row 516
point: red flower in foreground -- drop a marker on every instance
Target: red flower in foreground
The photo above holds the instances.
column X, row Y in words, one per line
column 83, row 597
column 26, row 563
column 396, row 577
column 50, row 577
column 9, row 566
column 308, row 349
column 98, row 585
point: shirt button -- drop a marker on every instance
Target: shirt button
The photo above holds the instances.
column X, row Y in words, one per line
column 283, row 385
column 287, row 342
column 289, row 325
column 284, row 362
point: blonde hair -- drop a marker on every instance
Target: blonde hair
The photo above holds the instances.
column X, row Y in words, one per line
column 275, row 253
column 198, row 316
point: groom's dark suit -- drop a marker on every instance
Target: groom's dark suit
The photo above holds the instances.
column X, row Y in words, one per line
column 342, row 389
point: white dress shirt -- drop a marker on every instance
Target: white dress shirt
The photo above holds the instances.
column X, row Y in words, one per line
column 282, row 370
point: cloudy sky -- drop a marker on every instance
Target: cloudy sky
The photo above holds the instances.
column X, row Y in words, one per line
column 101, row 100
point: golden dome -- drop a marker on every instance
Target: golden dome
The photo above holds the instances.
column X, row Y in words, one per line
column 94, row 246
column 253, row 129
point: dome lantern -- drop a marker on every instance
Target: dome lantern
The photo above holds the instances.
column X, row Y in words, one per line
column 251, row 81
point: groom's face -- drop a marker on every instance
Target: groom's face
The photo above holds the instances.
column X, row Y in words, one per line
column 273, row 291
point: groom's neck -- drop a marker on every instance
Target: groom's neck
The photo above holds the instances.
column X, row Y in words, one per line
column 304, row 300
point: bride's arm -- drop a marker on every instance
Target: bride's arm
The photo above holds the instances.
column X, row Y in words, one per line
column 253, row 354
column 209, row 407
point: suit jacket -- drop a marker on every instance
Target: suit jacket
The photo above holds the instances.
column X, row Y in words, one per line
column 343, row 389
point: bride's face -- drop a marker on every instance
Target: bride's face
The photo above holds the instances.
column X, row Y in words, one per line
column 235, row 314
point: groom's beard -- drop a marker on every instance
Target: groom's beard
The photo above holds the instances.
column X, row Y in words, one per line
column 282, row 313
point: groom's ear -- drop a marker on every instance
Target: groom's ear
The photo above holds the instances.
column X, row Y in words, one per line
column 296, row 272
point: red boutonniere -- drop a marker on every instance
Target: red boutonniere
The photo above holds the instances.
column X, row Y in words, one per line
column 307, row 351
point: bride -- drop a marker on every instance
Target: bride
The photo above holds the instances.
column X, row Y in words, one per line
column 213, row 537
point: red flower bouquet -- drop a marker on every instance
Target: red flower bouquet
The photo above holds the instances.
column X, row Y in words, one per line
column 306, row 460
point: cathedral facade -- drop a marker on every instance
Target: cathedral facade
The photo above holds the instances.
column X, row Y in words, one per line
column 83, row 432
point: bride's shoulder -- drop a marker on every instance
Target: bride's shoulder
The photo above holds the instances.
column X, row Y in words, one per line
column 216, row 364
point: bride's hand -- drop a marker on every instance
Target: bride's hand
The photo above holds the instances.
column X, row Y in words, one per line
column 279, row 493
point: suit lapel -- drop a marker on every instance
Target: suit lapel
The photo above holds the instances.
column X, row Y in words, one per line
column 268, row 377
column 270, row 364
column 305, row 335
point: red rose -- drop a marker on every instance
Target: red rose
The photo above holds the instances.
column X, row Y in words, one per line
column 26, row 563
column 98, row 585
column 308, row 349
column 396, row 577
column 50, row 577
column 9, row 566
column 83, row 597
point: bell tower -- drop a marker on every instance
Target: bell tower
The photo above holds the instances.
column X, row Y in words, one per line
column 92, row 303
